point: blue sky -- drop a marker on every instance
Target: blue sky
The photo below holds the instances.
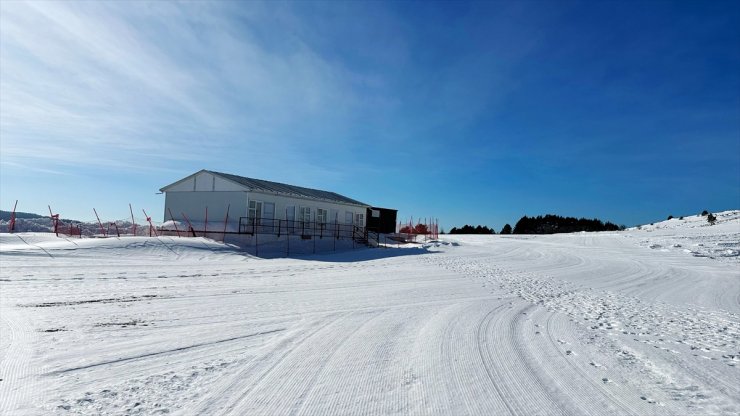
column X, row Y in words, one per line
column 471, row 112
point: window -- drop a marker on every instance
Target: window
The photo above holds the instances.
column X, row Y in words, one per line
column 305, row 214
column 255, row 212
column 376, row 213
column 333, row 216
column 290, row 217
column 348, row 217
column 268, row 216
column 269, row 210
column 321, row 215
column 360, row 220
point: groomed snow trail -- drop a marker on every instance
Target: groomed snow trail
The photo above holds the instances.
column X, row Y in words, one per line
column 547, row 325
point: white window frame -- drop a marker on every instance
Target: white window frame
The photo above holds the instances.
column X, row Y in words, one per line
column 322, row 215
column 360, row 219
column 304, row 214
column 254, row 214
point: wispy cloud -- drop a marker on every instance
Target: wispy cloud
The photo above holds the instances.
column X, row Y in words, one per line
column 116, row 85
column 181, row 85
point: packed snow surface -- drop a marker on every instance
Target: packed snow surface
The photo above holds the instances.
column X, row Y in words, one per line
column 643, row 321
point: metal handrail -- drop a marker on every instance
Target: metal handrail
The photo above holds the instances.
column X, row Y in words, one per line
column 278, row 227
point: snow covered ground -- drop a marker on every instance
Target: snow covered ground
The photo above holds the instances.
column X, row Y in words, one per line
column 635, row 322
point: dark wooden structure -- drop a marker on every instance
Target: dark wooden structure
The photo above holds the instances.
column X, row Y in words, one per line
column 382, row 220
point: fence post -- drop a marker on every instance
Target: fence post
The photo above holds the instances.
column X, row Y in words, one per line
column 133, row 221
column 99, row 223
column 226, row 220
column 192, row 230
column 174, row 222
column 11, row 224
column 151, row 226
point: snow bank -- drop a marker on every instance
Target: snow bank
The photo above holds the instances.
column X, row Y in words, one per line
column 158, row 248
column 694, row 236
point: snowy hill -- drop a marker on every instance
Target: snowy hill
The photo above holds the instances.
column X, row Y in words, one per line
column 583, row 323
column 725, row 218
column 694, row 235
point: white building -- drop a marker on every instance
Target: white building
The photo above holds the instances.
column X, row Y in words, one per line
column 255, row 201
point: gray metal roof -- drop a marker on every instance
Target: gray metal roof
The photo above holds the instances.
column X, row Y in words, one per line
column 289, row 190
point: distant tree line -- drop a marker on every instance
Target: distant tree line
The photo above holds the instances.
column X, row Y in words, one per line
column 469, row 229
column 553, row 224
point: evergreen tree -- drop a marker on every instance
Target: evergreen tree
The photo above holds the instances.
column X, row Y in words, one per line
column 506, row 229
column 551, row 224
column 711, row 219
column 468, row 229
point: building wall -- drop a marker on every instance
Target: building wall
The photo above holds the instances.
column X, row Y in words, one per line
column 194, row 204
column 193, row 194
column 335, row 210
column 205, row 181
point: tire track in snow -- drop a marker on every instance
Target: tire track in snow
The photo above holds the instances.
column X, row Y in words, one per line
column 223, row 399
column 593, row 307
column 495, row 376
column 16, row 372
column 558, row 345
column 303, row 402
column 529, row 379
column 165, row 352
column 475, row 384
column 507, row 351
column 284, row 389
column 378, row 388
column 374, row 372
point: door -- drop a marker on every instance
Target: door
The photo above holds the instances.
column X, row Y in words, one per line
column 360, row 220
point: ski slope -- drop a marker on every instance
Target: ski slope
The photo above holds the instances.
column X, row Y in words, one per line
column 635, row 322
